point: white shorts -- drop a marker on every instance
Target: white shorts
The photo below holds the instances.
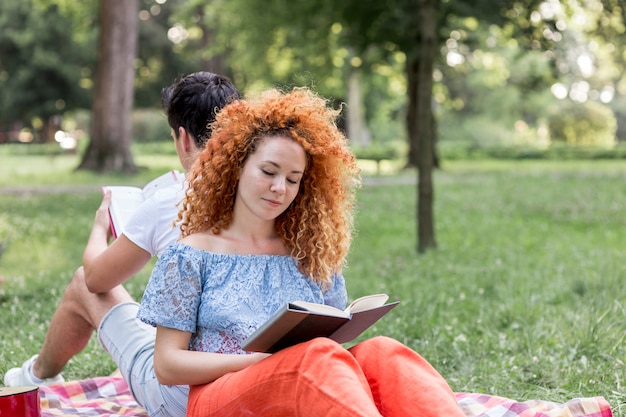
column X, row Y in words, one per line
column 130, row 342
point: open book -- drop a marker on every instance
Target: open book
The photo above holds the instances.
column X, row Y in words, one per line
column 125, row 199
column 300, row 321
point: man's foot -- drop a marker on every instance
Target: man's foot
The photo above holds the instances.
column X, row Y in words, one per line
column 17, row 377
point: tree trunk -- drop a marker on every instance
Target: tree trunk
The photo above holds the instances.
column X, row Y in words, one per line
column 411, row 119
column 50, row 125
column 425, row 160
column 111, row 126
column 357, row 128
column 412, row 65
column 216, row 63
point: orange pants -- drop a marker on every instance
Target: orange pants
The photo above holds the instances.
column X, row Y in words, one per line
column 379, row 376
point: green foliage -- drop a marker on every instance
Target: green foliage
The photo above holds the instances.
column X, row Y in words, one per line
column 589, row 123
column 492, row 88
column 503, row 81
column 150, row 125
column 41, row 78
column 377, row 152
column 49, row 50
column 309, row 44
column 450, row 150
column 276, row 43
column 478, row 131
column 511, row 57
column 524, row 297
column 385, row 99
column 159, row 62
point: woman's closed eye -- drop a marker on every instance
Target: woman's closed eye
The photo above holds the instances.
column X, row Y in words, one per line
column 289, row 180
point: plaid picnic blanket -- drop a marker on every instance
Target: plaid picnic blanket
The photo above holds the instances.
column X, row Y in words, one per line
column 110, row 397
column 101, row 396
column 483, row 405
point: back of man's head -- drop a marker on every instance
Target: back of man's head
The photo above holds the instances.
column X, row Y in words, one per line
column 193, row 101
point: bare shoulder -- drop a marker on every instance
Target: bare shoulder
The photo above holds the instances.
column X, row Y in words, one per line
column 230, row 243
column 204, row 241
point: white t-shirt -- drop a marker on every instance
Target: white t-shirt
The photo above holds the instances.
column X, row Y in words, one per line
column 152, row 227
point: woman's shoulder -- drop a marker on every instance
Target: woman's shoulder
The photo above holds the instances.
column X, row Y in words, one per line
column 224, row 244
column 189, row 248
column 203, row 241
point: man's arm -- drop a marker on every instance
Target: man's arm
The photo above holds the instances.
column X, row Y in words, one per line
column 108, row 266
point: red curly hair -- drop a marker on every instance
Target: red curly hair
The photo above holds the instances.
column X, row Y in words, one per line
column 317, row 226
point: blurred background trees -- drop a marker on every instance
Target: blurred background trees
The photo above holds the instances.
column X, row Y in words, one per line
column 422, row 80
column 504, row 71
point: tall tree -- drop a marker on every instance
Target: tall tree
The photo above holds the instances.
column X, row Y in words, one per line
column 427, row 19
column 109, row 147
column 412, row 26
column 417, row 28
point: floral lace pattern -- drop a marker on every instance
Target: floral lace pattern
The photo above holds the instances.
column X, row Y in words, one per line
column 222, row 298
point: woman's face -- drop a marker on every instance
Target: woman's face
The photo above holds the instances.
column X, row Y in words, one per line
column 270, row 178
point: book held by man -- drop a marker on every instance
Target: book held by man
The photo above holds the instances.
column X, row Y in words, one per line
column 300, row 321
column 125, row 199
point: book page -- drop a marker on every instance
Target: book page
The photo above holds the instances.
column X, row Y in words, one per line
column 319, row 309
column 367, row 302
column 300, row 321
column 165, row 180
column 361, row 321
column 124, row 201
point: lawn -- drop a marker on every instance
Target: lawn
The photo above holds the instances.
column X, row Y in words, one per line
column 524, row 297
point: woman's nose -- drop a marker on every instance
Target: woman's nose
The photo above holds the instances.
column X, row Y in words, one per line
column 278, row 186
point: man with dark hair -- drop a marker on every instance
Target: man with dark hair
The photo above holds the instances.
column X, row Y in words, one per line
column 95, row 298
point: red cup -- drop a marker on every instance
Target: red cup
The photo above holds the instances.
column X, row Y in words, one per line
column 20, row 402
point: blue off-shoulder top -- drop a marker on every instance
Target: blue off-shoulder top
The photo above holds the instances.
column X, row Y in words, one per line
column 222, row 298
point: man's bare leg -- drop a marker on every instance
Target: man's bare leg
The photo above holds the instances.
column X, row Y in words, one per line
column 76, row 318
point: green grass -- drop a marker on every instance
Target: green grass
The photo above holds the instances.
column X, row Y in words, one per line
column 524, row 298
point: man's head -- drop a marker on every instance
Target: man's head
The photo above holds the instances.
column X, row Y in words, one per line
column 193, row 101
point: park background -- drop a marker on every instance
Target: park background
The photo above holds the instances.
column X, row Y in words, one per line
column 518, row 288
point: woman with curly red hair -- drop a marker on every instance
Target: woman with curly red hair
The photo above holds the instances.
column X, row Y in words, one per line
column 267, row 219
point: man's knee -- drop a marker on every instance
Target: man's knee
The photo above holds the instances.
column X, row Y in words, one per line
column 77, row 300
column 76, row 289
